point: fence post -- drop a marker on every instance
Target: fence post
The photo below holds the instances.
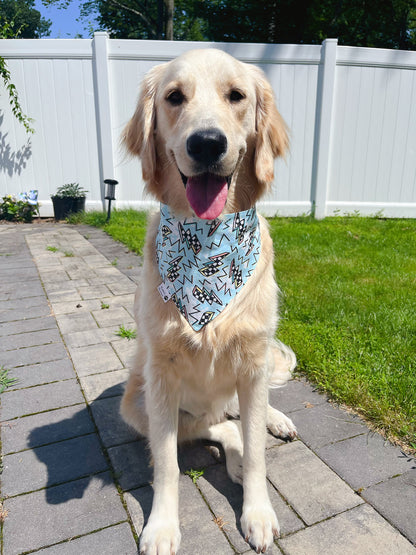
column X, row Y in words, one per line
column 324, row 108
column 103, row 109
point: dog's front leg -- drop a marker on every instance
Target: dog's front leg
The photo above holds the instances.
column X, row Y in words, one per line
column 161, row 536
column 258, row 522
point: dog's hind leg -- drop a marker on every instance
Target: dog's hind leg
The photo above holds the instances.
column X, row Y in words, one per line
column 283, row 361
column 226, row 433
column 280, row 425
column 276, row 422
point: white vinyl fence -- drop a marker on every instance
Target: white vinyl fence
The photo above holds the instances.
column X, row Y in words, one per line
column 351, row 113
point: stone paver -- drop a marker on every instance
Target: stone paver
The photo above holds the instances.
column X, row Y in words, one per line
column 296, row 395
column 111, row 427
column 132, row 461
column 114, row 539
column 60, row 513
column 365, row 460
column 38, row 399
column 29, row 339
column 225, row 500
column 43, row 373
column 94, row 359
column 309, row 486
column 77, row 479
column 126, row 351
column 323, row 424
column 400, row 493
column 195, row 517
column 78, row 321
column 111, row 316
column 92, row 336
column 359, row 531
column 52, row 464
column 45, row 428
column 109, row 384
column 16, row 314
column 33, row 355
column 28, row 325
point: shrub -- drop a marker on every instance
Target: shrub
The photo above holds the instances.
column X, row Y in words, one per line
column 72, row 190
column 20, row 210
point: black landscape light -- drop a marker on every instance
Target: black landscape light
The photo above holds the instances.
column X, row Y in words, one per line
column 110, row 194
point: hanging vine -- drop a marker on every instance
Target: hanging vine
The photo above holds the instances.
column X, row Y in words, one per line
column 11, row 88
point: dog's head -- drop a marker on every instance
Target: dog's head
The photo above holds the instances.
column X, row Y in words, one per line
column 207, row 131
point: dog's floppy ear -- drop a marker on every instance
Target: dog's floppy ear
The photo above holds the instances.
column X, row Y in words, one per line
column 138, row 135
column 271, row 137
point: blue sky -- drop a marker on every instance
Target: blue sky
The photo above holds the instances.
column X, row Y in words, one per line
column 64, row 24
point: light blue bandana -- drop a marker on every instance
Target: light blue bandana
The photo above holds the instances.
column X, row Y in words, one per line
column 205, row 263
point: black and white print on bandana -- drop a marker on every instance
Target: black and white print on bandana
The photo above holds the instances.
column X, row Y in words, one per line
column 205, row 263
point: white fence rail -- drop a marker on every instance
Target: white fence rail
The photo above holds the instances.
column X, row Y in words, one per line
column 351, row 113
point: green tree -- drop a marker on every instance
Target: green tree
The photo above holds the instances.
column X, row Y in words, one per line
column 141, row 19
column 19, row 18
column 134, row 19
column 387, row 24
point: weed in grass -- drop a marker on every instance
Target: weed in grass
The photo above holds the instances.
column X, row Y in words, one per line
column 5, row 380
column 195, row 474
column 3, row 513
column 52, row 249
column 126, row 333
column 220, row 522
column 104, row 305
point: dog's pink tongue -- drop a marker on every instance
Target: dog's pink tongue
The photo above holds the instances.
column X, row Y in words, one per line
column 207, row 195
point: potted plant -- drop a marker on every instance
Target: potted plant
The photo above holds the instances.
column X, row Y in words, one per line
column 69, row 198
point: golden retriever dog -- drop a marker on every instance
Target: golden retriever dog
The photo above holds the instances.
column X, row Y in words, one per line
column 207, row 131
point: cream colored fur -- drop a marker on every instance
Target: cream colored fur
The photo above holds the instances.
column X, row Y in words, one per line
column 185, row 383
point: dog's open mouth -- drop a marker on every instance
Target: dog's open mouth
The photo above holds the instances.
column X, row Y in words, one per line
column 207, row 194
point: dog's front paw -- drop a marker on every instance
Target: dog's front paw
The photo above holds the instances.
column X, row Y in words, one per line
column 259, row 525
column 280, row 425
column 160, row 537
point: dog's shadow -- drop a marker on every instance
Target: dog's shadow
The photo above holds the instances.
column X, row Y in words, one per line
column 74, row 455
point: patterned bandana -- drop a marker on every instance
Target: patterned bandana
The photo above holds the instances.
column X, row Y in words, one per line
column 205, row 263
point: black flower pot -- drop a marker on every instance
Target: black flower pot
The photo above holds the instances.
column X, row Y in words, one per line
column 63, row 206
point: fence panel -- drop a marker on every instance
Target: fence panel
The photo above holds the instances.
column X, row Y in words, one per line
column 373, row 161
column 351, row 114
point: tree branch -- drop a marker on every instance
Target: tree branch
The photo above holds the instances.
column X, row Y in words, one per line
column 149, row 22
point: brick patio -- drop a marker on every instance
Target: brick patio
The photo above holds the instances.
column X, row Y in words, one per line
column 77, row 480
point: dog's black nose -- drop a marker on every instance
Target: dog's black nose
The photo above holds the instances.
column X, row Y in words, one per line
column 206, row 146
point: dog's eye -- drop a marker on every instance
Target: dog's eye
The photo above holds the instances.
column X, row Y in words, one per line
column 236, row 96
column 175, row 98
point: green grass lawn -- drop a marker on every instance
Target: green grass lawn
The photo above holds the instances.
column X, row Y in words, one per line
column 349, row 312
column 348, row 308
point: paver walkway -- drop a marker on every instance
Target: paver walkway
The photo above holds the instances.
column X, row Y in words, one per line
column 76, row 480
